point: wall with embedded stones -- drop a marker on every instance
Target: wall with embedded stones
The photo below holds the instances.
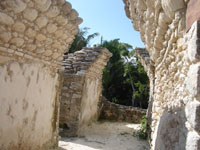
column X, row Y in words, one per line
column 170, row 30
column 34, row 35
column 115, row 112
column 81, row 89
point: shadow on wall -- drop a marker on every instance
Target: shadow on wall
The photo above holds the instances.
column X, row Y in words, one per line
column 172, row 131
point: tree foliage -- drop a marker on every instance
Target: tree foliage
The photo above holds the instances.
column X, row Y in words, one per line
column 82, row 39
column 124, row 79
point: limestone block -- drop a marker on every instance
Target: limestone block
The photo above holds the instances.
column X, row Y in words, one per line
column 170, row 6
column 192, row 114
column 31, row 47
column 30, row 33
column 67, row 7
column 48, row 53
column 61, row 20
column 55, row 55
column 194, row 42
column 73, row 14
column 58, row 33
column 19, row 27
column 41, row 2
column 41, row 22
column 16, row 5
column 30, row 14
column 193, row 141
column 17, row 41
column 51, row 28
column 45, row 6
column 193, row 81
column 5, row 19
column 5, row 36
column 40, row 37
column 53, row 12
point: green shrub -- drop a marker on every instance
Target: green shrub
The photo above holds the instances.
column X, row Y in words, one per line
column 142, row 133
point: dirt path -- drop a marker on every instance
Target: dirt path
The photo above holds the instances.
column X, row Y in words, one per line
column 106, row 136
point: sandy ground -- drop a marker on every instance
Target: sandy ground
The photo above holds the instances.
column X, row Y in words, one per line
column 106, row 136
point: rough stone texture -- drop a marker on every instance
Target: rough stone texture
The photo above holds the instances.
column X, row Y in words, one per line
column 115, row 112
column 173, row 69
column 29, row 77
column 81, row 89
column 27, row 23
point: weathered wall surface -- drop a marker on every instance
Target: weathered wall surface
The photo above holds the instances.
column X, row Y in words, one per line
column 82, row 88
column 28, row 100
column 34, row 35
column 174, row 63
column 115, row 112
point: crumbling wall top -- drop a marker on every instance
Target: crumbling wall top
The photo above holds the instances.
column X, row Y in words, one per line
column 86, row 60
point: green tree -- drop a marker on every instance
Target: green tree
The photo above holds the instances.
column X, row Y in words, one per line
column 124, row 79
column 82, row 39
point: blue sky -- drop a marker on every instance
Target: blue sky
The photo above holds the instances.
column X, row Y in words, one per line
column 108, row 18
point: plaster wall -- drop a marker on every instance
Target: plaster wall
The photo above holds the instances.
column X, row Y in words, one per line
column 28, row 102
column 89, row 102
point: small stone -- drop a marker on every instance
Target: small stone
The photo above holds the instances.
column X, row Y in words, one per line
column 30, row 14
column 17, row 41
column 55, row 55
column 67, row 7
column 48, row 53
column 51, row 28
column 31, row 47
column 16, row 5
column 58, row 33
column 45, row 6
column 40, row 2
column 40, row 50
column 73, row 14
column 61, row 20
column 40, row 37
column 30, row 33
column 5, row 19
column 53, row 12
column 19, row 27
column 41, row 22
column 5, row 36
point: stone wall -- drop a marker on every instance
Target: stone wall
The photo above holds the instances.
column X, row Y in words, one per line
column 34, row 35
column 115, row 112
column 174, row 66
column 81, row 89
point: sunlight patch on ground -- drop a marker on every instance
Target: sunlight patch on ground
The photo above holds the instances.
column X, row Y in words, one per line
column 106, row 136
column 134, row 126
column 74, row 146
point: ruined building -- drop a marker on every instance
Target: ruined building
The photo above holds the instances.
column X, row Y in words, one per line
column 34, row 35
column 82, row 84
column 170, row 30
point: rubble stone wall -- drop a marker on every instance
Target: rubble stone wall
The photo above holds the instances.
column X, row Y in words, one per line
column 81, row 90
column 34, row 35
column 115, row 112
column 174, row 66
